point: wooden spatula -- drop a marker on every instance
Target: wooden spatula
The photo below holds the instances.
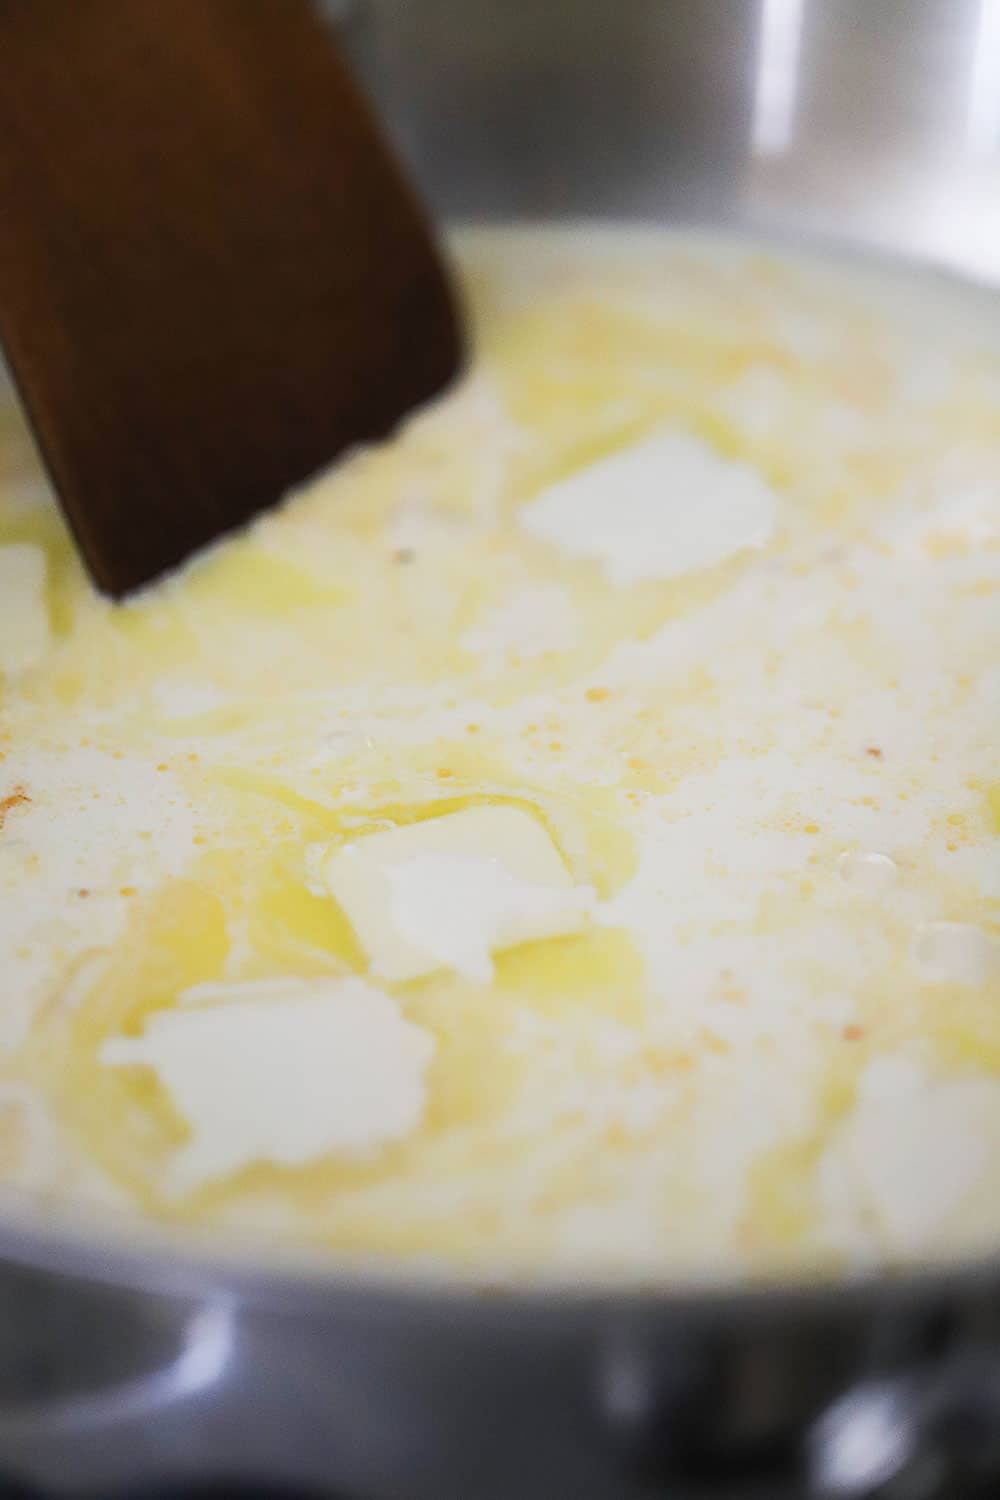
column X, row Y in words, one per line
column 214, row 276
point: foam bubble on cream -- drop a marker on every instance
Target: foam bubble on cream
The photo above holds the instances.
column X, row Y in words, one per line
column 286, row 1072
column 867, row 872
column 26, row 635
column 665, row 507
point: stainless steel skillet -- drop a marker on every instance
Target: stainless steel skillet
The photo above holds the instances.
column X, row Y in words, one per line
column 138, row 1369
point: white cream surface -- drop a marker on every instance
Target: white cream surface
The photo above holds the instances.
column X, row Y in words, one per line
column 285, row 1073
column 529, row 624
column 664, row 507
column 955, row 953
column 563, row 839
column 95, row 830
column 25, row 634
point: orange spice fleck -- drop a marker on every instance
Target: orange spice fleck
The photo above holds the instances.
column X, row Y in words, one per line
column 15, row 799
column 597, row 694
column 853, row 1033
column 874, row 752
column 444, row 774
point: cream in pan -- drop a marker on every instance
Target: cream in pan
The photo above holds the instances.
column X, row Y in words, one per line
column 565, row 837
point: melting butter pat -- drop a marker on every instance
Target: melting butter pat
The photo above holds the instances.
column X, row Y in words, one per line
column 25, row 636
column 661, row 508
column 284, row 1071
column 450, row 891
column 917, row 1156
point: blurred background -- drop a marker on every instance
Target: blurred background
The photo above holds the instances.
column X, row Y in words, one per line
column 871, row 120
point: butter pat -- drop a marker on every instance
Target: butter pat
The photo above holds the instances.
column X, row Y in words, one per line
column 282, row 1071
column 913, row 1153
column 664, row 507
column 25, row 635
column 450, row 891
